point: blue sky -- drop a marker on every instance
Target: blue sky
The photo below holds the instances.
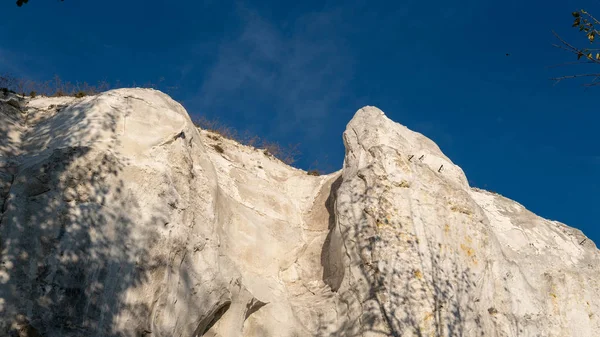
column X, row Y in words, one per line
column 296, row 73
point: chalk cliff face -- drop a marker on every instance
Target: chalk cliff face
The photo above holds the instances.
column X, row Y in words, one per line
column 121, row 218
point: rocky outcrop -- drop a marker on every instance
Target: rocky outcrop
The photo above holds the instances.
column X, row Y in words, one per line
column 429, row 256
column 121, row 218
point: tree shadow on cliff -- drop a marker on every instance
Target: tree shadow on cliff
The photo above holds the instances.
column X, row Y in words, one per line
column 67, row 249
column 420, row 289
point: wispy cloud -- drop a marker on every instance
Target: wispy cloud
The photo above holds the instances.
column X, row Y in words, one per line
column 296, row 71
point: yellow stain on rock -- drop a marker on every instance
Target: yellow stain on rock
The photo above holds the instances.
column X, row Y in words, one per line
column 468, row 250
column 470, row 253
column 554, row 301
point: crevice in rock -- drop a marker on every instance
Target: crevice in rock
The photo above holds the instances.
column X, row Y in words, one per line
column 253, row 307
column 173, row 138
column 331, row 254
column 213, row 318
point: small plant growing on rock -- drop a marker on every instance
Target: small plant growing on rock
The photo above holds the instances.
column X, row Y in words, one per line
column 80, row 94
column 460, row 209
column 313, row 173
column 218, row 148
column 32, row 94
column 287, row 154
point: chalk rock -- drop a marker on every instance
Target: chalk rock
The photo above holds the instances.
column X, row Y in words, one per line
column 428, row 256
column 122, row 218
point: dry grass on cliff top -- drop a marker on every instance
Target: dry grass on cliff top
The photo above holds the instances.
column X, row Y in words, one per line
column 59, row 88
column 287, row 154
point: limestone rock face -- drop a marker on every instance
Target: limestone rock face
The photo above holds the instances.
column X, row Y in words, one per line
column 121, row 218
column 429, row 256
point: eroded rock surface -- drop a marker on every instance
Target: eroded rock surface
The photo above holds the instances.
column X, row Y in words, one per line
column 429, row 256
column 121, row 218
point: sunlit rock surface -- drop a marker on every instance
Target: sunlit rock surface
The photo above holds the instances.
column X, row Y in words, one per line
column 121, row 218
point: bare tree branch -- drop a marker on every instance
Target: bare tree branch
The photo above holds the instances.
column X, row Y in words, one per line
column 570, row 48
column 586, row 23
column 569, row 63
column 575, row 76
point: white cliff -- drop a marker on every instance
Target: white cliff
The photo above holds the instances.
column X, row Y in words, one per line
column 121, row 218
column 430, row 256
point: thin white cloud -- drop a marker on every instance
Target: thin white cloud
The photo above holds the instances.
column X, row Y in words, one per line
column 299, row 72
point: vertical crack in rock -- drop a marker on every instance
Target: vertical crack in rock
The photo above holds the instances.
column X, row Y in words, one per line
column 331, row 254
column 210, row 320
column 253, row 307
